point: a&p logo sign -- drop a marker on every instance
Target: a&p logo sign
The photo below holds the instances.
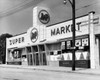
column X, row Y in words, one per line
column 34, row 35
column 44, row 16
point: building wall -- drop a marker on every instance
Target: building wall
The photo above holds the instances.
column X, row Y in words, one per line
column 41, row 33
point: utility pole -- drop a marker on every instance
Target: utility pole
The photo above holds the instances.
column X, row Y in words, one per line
column 73, row 32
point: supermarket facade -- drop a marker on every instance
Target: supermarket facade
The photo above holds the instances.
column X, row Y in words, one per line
column 50, row 45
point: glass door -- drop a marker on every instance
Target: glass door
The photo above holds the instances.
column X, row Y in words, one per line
column 41, row 59
column 34, row 59
column 37, row 59
column 44, row 59
column 31, row 60
column 28, row 59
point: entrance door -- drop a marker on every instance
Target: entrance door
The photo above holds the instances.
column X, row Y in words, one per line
column 31, row 61
column 34, row 59
column 28, row 59
column 44, row 59
column 41, row 59
column 37, row 59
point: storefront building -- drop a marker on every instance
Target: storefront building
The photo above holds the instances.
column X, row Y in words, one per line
column 50, row 45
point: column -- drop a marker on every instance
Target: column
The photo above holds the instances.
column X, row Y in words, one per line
column 97, row 52
column 6, row 50
column 92, row 40
column 35, row 14
column 6, row 55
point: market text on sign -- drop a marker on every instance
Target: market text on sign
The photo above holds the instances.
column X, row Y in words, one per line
column 65, row 29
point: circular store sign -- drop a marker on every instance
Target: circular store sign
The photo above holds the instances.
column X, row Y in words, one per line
column 44, row 16
column 34, row 35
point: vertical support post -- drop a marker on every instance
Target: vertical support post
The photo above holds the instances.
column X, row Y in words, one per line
column 6, row 52
column 26, row 55
column 35, row 14
column 6, row 55
column 97, row 53
column 92, row 40
column 73, row 33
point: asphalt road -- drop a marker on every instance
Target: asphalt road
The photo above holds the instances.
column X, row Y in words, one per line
column 25, row 74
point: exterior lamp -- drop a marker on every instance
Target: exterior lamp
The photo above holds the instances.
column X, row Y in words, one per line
column 73, row 32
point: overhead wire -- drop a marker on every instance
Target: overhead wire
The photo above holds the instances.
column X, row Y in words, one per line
column 17, row 8
column 86, row 6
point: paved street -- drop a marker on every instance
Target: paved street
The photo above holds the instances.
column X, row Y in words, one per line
column 25, row 74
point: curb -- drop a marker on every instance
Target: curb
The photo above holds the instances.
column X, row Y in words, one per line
column 34, row 68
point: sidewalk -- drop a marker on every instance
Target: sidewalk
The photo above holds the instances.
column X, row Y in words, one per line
column 55, row 69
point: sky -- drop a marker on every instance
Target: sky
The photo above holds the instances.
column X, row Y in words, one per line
column 16, row 23
column 21, row 21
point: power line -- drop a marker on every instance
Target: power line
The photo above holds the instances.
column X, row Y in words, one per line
column 87, row 6
column 15, row 6
column 19, row 7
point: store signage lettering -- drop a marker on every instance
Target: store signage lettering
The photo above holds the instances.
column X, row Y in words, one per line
column 65, row 29
column 17, row 41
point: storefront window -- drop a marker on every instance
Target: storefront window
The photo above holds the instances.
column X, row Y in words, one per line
column 28, row 49
column 81, row 52
column 51, row 53
column 41, row 48
column 16, row 54
column 35, row 48
column 55, row 55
